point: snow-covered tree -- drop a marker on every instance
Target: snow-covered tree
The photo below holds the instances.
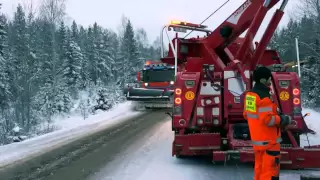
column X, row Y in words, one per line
column 72, row 66
column 45, row 65
column 4, row 78
column 129, row 55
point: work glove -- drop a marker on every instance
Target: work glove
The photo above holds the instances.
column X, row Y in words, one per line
column 285, row 120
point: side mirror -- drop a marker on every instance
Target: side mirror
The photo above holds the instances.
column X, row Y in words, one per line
column 306, row 114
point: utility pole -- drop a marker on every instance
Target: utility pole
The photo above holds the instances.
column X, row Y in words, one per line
column 298, row 57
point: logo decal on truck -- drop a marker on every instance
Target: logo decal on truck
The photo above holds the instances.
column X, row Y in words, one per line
column 189, row 95
column 284, row 96
column 234, row 18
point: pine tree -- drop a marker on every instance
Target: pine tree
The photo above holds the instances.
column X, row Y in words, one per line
column 84, row 70
column 62, row 42
column 72, row 66
column 4, row 79
column 113, row 47
column 129, row 55
column 19, row 64
column 91, row 56
column 53, row 92
column 74, row 31
column 104, row 59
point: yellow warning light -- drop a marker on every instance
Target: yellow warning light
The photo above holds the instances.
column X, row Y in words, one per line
column 147, row 63
column 183, row 23
column 176, row 22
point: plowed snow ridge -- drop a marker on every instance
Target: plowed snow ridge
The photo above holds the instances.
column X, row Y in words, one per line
column 71, row 128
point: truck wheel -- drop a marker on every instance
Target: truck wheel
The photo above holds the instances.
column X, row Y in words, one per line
column 180, row 156
column 309, row 177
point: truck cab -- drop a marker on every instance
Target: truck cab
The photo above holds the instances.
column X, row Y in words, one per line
column 157, row 75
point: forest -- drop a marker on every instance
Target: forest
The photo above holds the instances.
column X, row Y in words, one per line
column 48, row 68
column 304, row 24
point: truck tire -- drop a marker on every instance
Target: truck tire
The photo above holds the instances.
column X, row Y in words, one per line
column 309, row 177
column 180, row 156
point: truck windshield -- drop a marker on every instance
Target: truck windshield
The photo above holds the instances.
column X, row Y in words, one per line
column 158, row 75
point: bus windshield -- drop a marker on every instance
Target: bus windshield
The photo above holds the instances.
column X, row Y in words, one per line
column 163, row 75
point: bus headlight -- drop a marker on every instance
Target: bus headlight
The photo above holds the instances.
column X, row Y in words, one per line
column 146, row 84
column 171, row 82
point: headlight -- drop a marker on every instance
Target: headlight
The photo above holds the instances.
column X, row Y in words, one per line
column 146, row 84
column 172, row 82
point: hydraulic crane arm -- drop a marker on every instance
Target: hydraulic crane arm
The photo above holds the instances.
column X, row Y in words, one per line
column 248, row 16
column 239, row 22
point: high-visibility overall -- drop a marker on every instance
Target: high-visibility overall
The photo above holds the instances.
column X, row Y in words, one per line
column 264, row 125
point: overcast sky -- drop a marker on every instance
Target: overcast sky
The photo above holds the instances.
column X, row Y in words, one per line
column 149, row 14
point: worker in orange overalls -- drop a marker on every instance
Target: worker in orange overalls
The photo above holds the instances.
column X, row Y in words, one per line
column 264, row 124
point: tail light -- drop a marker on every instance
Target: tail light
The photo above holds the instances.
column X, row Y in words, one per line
column 177, row 101
column 296, row 101
column 178, row 91
column 296, row 92
column 296, row 96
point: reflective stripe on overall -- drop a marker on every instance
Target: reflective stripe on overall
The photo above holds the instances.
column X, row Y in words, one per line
column 271, row 123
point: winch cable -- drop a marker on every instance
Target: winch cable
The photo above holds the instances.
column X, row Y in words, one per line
column 208, row 17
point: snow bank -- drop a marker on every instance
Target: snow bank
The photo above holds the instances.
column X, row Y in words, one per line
column 313, row 122
column 78, row 120
column 71, row 129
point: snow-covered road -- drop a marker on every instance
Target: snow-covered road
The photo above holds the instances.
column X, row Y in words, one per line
column 150, row 158
column 71, row 129
column 134, row 148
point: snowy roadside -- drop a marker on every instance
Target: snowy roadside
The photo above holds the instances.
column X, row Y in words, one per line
column 313, row 122
column 72, row 129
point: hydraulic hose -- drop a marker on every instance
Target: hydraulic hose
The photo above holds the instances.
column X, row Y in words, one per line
column 217, row 85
